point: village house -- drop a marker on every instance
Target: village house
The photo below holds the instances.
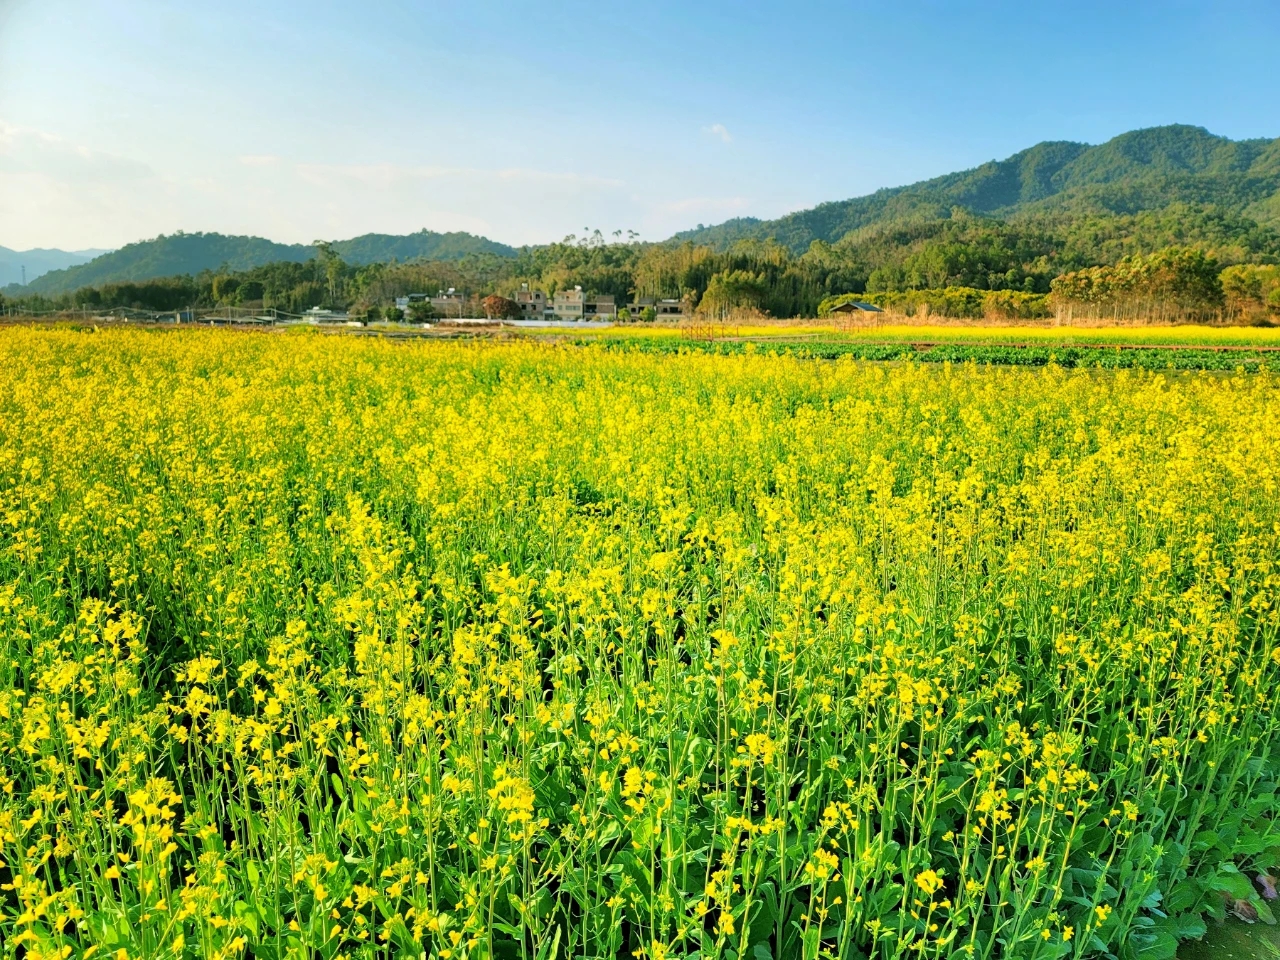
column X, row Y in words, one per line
column 533, row 303
column 574, row 305
column 667, row 309
column 447, row 303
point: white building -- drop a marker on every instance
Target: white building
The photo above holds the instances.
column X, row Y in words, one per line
column 576, row 305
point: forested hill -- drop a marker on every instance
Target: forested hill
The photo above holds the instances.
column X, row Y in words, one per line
column 423, row 245
column 192, row 253
column 1144, row 170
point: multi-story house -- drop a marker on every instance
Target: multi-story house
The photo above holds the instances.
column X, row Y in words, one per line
column 601, row 306
column 569, row 304
column 574, row 305
column 533, row 303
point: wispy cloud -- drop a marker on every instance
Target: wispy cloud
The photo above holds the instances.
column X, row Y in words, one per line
column 718, row 130
column 27, row 151
column 390, row 173
column 57, row 193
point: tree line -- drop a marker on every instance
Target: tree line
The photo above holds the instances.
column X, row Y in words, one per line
column 1176, row 283
column 1167, row 264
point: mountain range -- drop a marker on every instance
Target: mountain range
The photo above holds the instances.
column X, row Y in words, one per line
column 39, row 262
column 1138, row 171
column 1174, row 181
column 193, row 253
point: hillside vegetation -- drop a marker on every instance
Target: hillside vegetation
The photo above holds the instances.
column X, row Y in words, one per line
column 959, row 267
column 1138, row 171
column 195, row 253
column 1183, row 225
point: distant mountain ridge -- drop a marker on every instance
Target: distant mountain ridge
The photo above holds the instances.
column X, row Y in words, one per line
column 193, row 253
column 1137, row 171
column 1153, row 181
column 39, row 261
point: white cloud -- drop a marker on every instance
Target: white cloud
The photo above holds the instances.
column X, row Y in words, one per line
column 24, row 151
column 718, row 130
column 55, row 193
column 516, row 205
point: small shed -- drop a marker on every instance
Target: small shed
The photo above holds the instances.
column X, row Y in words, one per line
column 856, row 306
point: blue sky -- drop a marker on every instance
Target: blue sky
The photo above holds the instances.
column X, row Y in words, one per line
column 525, row 121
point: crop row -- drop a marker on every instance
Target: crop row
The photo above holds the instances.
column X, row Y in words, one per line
column 1107, row 358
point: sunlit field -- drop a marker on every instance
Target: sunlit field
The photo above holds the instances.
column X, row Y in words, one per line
column 320, row 646
column 699, row 328
column 1154, row 335
column 1151, row 335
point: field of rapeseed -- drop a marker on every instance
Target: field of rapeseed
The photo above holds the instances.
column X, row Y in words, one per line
column 321, row 647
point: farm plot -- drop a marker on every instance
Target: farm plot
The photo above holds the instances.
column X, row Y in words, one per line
column 317, row 646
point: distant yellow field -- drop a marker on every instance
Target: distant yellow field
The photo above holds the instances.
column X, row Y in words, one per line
column 671, row 330
column 935, row 333
column 1189, row 334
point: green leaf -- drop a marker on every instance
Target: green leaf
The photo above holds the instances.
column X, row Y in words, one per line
column 764, row 913
column 1234, row 885
column 1181, row 897
column 550, row 949
column 1152, row 901
column 1189, row 927
column 1156, row 944
column 247, row 915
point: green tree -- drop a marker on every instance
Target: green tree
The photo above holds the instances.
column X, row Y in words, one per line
column 421, row 311
column 731, row 290
column 1251, row 289
column 334, row 268
column 1174, row 283
column 225, row 288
